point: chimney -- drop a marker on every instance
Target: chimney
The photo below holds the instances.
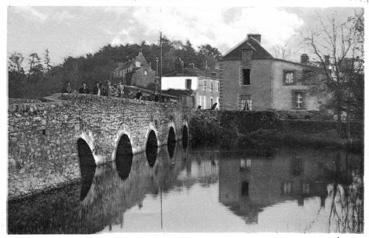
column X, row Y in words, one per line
column 256, row 37
column 304, row 59
column 326, row 60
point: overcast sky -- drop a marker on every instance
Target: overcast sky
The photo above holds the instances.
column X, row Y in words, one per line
column 75, row 31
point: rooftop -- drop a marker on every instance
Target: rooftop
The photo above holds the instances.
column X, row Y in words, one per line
column 250, row 43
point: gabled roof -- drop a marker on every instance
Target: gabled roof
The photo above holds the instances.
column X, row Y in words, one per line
column 251, row 44
column 140, row 58
column 122, row 66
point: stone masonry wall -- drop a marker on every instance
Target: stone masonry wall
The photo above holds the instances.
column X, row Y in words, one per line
column 43, row 136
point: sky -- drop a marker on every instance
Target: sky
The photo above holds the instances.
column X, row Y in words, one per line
column 76, row 31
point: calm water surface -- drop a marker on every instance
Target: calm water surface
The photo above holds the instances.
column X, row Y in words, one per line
column 185, row 190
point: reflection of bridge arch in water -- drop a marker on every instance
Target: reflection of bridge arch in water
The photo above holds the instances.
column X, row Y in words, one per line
column 171, row 143
column 171, row 136
column 185, row 135
column 87, row 166
column 123, row 157
column 151, row 148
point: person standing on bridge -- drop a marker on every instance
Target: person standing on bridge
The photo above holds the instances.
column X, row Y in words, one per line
column 97, row 89
column 84, row 89
column 67, row 88
column 139, row 95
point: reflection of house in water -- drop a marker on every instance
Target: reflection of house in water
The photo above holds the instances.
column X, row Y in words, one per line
column 246, row 185
column 200, row 167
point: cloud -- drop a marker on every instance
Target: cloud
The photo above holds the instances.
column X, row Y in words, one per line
column 220, row 27
column 30, row 13
column 61, row 16
column 71, row 31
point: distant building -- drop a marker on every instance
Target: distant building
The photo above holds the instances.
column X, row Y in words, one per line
column 204, row 86
column 184, row 96
column 136, row 72
column 252, row 79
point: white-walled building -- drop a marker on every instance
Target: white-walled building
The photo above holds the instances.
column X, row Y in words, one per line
column 205, row 89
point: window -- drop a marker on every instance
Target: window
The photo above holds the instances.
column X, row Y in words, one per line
column 305, row 188
column 245, row 188
column 245, row 164
column 211, row 102
column 216, row 86
column 297, row 166
column 245, row 76
column 288, row 77
column 211, row 86
column 188, row 84
column 204, row 85
column 299, row 99
column 203, row 102
column 245, row 103
column 287, row 187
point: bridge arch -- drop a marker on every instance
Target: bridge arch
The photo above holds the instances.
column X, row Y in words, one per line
column 87, row 166
column 88, row 138
column 123, row 156
column 172, row 134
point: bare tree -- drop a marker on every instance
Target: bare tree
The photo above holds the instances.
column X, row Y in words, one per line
column 281, row 51
column 35, row 66
column 47, row 61
column 339, row 51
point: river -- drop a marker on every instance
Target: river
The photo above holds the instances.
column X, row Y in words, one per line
column 204, row 190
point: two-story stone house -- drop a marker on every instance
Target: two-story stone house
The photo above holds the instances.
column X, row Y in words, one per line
column 252, row 79
column 136, row 72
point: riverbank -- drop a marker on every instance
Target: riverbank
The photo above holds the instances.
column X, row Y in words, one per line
column 263, row 130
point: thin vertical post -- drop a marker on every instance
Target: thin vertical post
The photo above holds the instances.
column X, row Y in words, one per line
column 161, row 209
column 161, row 61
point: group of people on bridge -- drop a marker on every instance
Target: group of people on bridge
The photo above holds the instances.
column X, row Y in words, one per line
column 117, row 90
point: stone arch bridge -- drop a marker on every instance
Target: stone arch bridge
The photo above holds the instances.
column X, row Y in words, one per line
column 43, row 136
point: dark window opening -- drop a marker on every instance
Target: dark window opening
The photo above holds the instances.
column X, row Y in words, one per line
column 246, row 76
column 188, row 84
column 297, row 166
column 245, row 188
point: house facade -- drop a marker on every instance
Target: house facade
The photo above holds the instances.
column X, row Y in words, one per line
column 136, row 72
column 252, row 79
column 205, row 90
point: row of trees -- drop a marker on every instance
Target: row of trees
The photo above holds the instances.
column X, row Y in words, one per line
column 39, row 78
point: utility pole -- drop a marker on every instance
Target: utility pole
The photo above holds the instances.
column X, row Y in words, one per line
column 161, row 62
column 157, row 78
